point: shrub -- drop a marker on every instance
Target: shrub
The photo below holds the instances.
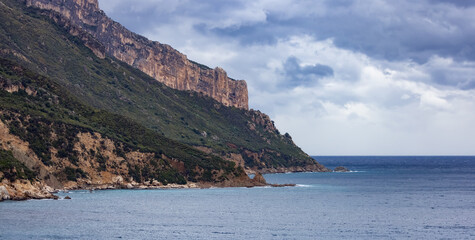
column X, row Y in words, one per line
column 72, row 174
column 13, row 169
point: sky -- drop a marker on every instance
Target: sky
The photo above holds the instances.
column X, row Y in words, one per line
column 342, row 77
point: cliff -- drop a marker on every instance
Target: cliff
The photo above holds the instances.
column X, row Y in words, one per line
column 146, row 132
column 159, row 61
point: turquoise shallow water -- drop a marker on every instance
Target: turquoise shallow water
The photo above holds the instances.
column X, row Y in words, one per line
column 385, row 198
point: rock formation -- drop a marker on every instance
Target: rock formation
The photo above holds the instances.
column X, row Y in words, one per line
column 259, row 179
column 4, row 195
column 24, row 190
column 159, row 61
column 341, row 169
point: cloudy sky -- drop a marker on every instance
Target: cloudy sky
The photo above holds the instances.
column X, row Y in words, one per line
column 343, row 77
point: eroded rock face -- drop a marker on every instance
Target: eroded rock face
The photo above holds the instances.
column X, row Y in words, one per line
column 21, row 150
column 159, row 61
column 24, row 189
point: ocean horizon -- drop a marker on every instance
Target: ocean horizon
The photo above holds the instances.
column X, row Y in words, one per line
column 383, row 197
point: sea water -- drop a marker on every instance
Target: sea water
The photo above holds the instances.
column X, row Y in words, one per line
column 382, row 198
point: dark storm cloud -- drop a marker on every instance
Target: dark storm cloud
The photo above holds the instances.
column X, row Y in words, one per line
column 298, row 75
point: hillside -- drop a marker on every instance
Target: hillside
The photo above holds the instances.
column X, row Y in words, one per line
column 47, row 136
column 48, row 46
column 82, row 118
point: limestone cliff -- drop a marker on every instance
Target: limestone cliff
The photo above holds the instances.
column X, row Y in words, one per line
column 159, row 61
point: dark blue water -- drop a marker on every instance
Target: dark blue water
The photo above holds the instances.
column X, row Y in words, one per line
column 384, row 198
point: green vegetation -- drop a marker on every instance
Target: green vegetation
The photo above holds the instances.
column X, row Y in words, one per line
column 119, row 101
column 34, row 121
column 170, row 175
column 72, row 174
column 12, row 169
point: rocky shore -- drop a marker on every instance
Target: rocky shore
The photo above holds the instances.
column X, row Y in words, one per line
column 26, row 190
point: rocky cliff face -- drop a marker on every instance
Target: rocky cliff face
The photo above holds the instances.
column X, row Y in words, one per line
column 159, row 61
column 98, row 163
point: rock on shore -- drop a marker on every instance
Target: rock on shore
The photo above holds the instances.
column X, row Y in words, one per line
column 4, row 195
column 341, row 169
column 24, row 190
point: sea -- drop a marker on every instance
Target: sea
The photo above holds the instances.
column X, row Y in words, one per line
column 407, row 197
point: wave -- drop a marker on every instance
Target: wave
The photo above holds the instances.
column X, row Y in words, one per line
column 262, row 187
column 351, row 172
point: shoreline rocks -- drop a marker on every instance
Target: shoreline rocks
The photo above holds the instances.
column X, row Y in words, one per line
column 4, row 195
column 24, row 190
column 37, row 194
column 341, row 169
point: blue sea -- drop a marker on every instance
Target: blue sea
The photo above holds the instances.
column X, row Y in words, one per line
column 382, row 198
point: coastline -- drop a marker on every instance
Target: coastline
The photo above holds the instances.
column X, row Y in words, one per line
column 427, row 199
column 21, row 190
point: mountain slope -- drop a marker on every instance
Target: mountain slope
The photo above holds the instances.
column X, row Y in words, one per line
column 52, row 46
column 49, row 137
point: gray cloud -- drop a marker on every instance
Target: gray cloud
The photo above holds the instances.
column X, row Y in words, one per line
column 298, row 75
column 401, row 30
column 459, row 3
column 391, row 30
column 460, row 78
column 144, row 15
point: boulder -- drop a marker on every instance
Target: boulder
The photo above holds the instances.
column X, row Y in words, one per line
column 117, row 179
column 341, row 169
column 67, row 197
column 4, row 195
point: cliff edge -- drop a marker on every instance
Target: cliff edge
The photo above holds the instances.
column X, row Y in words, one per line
column 157, row 60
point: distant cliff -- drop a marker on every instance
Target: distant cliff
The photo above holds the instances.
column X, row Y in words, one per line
column 159, row 61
